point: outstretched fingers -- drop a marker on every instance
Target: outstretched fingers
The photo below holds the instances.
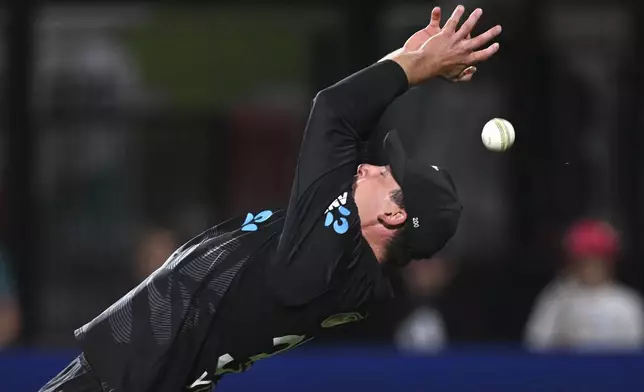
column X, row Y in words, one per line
column 452, row 22
column 482, row 55
column 484, row 39
column 469, row 24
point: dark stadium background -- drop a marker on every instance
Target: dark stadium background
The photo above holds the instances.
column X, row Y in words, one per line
column 125, row 119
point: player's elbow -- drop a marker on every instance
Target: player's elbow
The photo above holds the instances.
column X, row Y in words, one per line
column 331, row 121
column 332, row 100
column 330, row 112
column 323, row 101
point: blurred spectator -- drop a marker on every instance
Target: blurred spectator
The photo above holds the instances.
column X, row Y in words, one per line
column 586, row 308
column 9, row 307
column 155, row 248
column 424, row 329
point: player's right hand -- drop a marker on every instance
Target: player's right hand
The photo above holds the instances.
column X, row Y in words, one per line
column 450, row 53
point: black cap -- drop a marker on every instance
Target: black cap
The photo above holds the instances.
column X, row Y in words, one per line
column 431, row 201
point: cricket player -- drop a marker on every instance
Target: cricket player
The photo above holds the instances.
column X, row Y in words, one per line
column 257, row 285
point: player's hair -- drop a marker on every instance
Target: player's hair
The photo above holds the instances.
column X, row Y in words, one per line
column 396, row 253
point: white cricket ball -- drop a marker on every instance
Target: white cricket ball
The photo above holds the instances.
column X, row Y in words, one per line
column 498, row 135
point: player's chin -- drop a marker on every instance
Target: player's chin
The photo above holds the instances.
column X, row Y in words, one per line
column 398, row 262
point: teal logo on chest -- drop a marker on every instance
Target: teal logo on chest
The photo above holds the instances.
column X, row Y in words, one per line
column 336, row 214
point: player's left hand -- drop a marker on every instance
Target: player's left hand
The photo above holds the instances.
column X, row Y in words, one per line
column 421, row 36
column 461, row 74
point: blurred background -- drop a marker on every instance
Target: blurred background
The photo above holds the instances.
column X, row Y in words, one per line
column 129, row 127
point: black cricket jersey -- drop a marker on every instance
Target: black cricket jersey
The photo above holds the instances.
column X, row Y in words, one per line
column 262, row 283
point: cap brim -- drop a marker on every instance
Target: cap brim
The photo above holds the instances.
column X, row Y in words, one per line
column 396, row 155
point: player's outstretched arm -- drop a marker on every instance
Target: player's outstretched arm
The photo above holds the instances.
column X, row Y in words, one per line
column 345, row 113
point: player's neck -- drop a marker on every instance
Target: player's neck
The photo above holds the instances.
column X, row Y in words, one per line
column 376, row 241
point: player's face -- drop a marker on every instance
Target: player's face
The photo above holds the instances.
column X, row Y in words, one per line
column 372, row 192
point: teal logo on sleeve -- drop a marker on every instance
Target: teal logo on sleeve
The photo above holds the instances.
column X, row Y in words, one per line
column 336, row 215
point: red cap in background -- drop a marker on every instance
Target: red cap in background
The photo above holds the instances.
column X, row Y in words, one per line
column 591, row 238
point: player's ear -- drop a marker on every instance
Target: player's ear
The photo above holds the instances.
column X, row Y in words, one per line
column 394, row 218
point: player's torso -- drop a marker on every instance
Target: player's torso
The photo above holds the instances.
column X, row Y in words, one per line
column 209, row 310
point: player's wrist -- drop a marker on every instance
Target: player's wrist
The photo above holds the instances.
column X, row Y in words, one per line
column 391, row 55
column 416, row 66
